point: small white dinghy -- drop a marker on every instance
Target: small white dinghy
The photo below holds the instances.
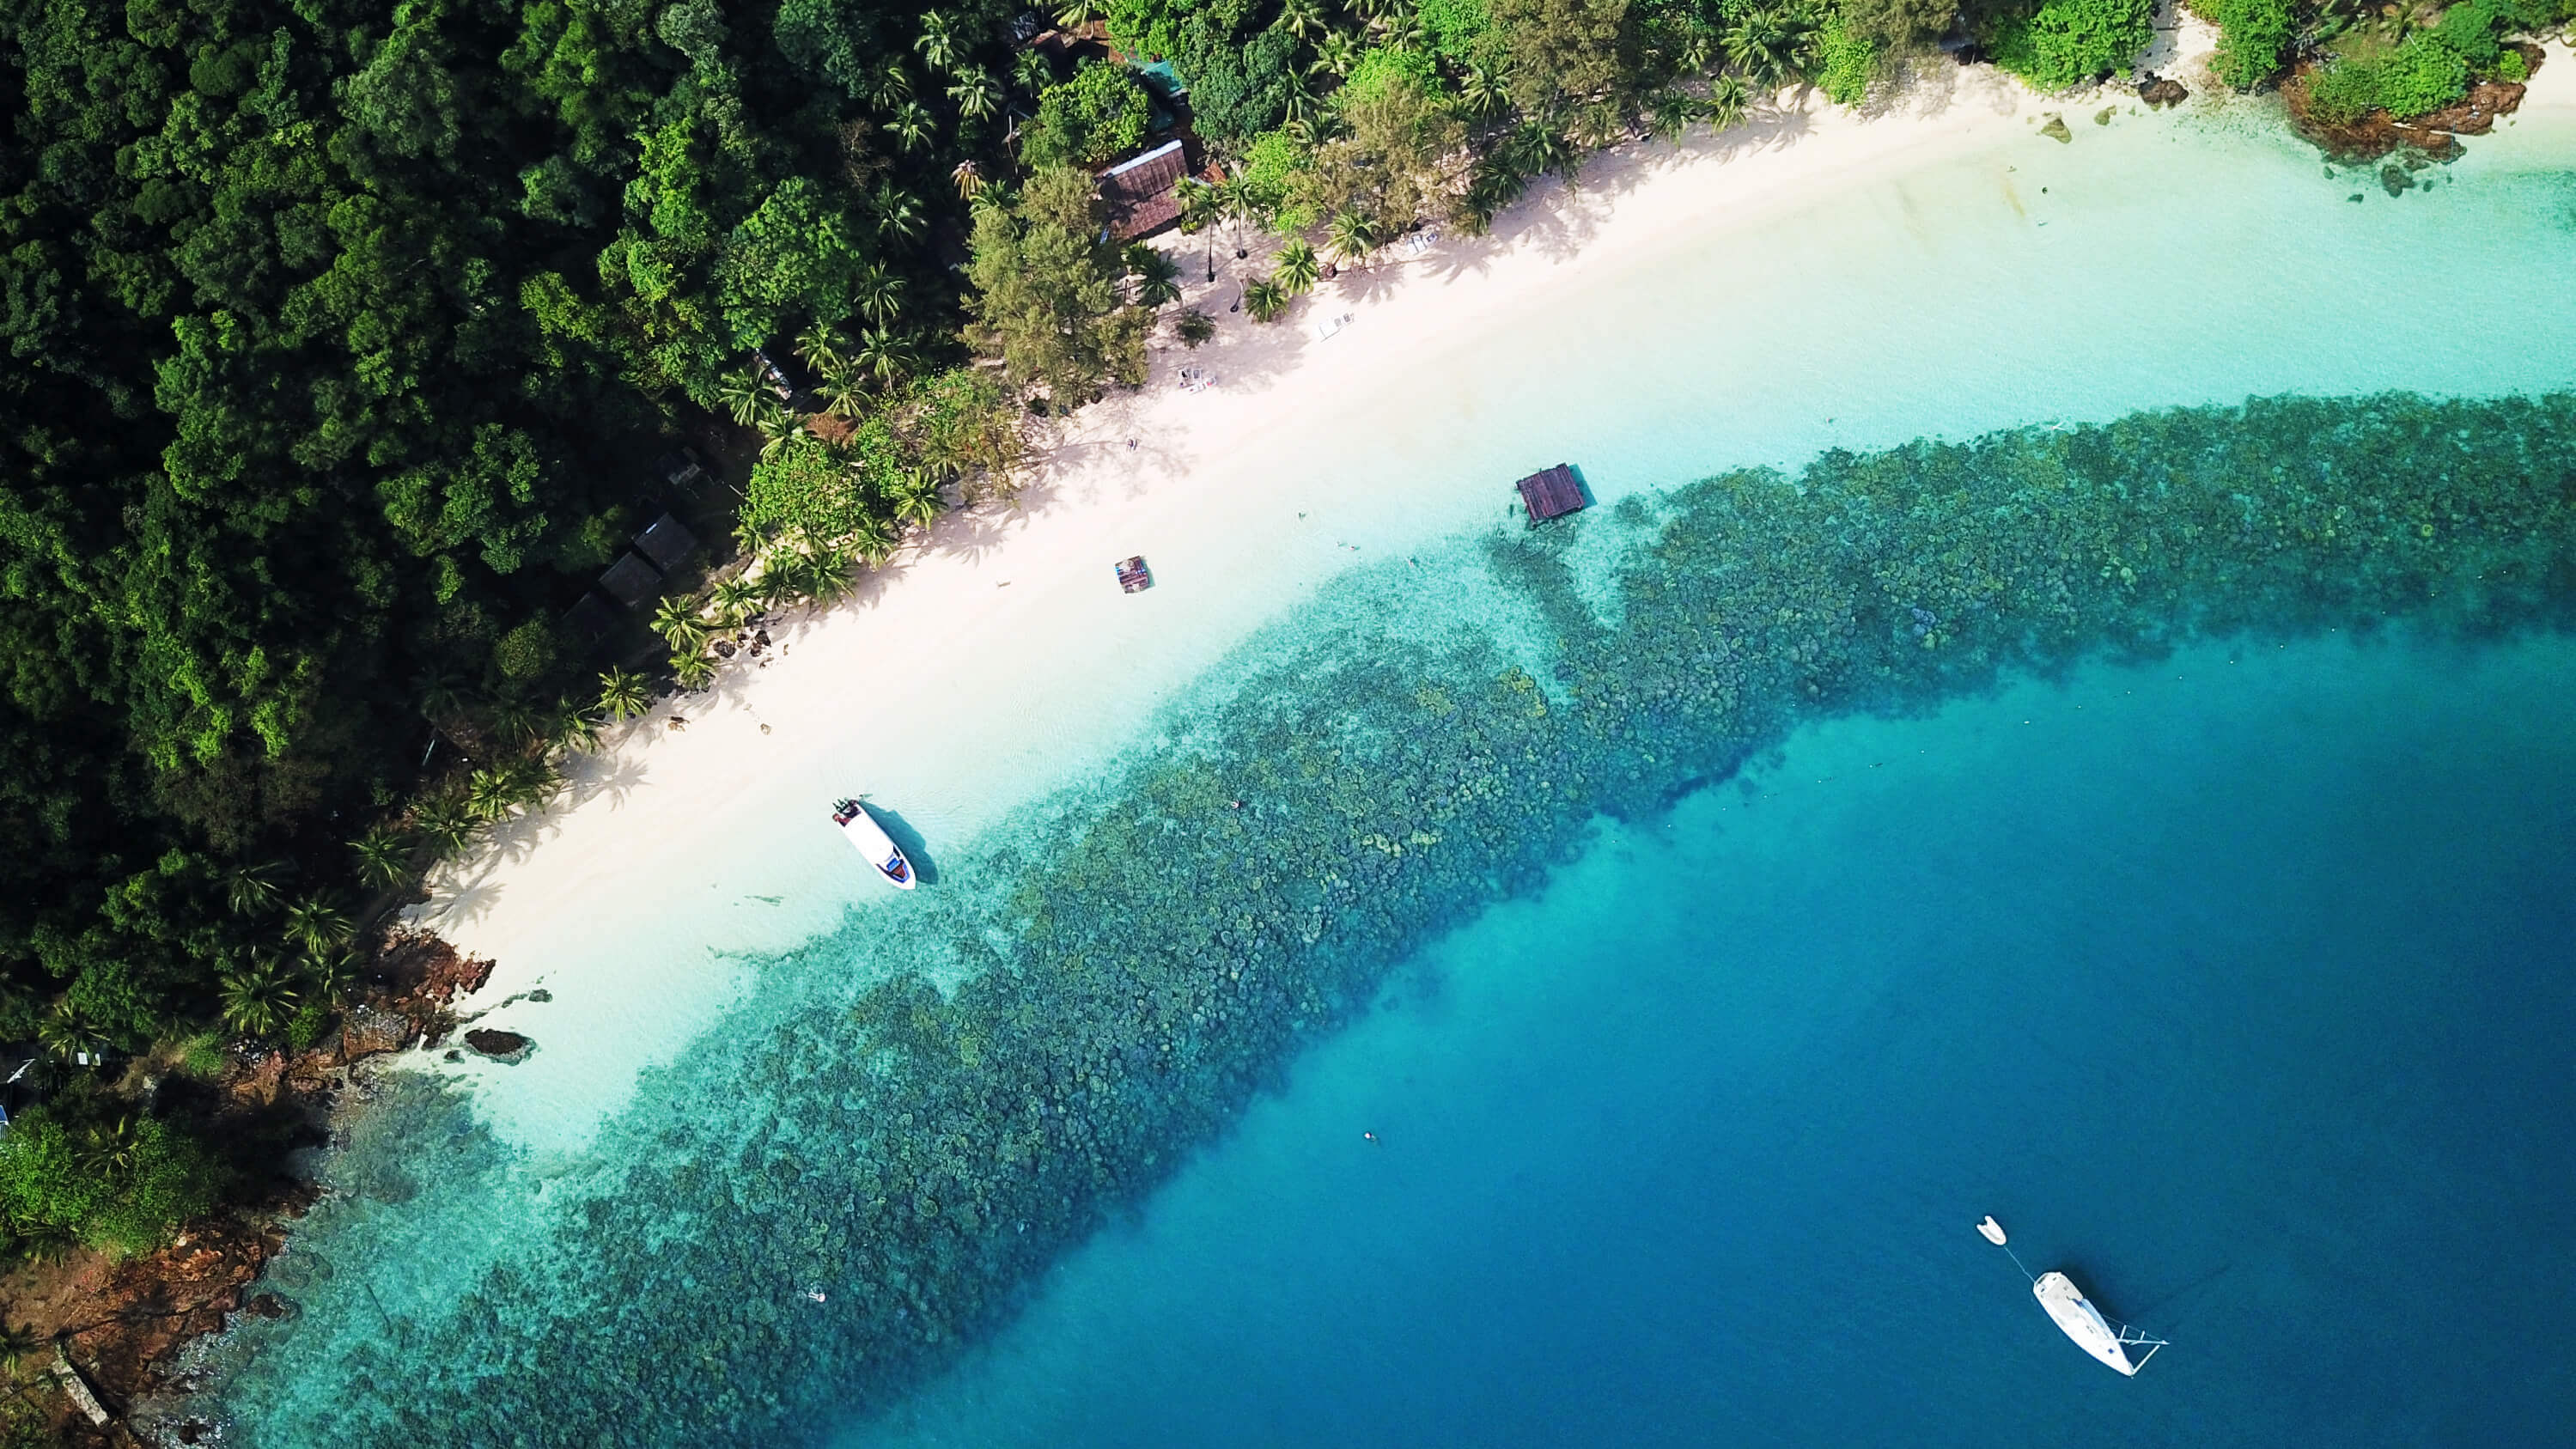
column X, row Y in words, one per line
column 2076, row 1317
column 870, row 840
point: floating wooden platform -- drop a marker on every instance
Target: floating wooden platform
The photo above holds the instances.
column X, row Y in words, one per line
column 1133, row 576
column 1551, row 493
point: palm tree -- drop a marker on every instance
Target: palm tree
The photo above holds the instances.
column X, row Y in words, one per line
column 898, row 212
column 1295, row 269
column 844, row 390
column 937, row 42
column 976, row 93
column 1265, row 300
column 878, row 292
column 623, row 694
column 1400, row 28
column 517, row 720
column 1158, row 277
column 1351, row 237
column 743, row 392
column 891, row 85
column 332, row 973
column 1075, row 14
column 819, row 345
column 316, row 924
column 735, row 599
column 440, row 695
column 253, row 887
column 1031, row 71
column 384, row 856
column 1303, row 19
column 110, row 1150
column 63, row 1035
column 1335, row 54
column 18, row 1343
column 967, row 177
column 875, row 539
column 529, row 782
column 573, row 728
column 1299, row 106
column 1669, row 113
column 1482, row 92
column 446, row 822
column 911, row 126
column 488, row 795
column 885, row 353
column 778, row 427
column 1200, row 203
column 257, row 997
column 917, row 500
column 693, row 671
column 1538, row 146
column 1728, row 99
column 678, row 623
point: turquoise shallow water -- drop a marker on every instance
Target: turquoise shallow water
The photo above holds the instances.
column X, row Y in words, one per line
column 2239, row 985
column 1688, row 1095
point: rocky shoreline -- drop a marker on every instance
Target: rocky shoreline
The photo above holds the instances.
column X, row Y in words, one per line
column 120, row 1325
column 2432, row 137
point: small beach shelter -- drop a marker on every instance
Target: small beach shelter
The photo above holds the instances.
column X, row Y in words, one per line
column 1551, row 493
column 1139, row 192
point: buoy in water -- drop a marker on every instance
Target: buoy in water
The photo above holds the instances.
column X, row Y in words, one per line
column 1993, row 1230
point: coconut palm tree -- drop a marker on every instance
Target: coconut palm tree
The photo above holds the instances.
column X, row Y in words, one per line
column 778, row 427
column 384, row 856
column 875, row 539
column 1303, row 19
column 743, row 392
column 678, row 623
column 254, row 887
column 735, row 599
column 1480, row 90
column 1336, row 54
column 1728, row 99
column 911, row 126
column 573, row 728
column 517, row 720
column 1295, row 269
column 623, row 694
column 897, row 211
column 1031, row 71
column 883, row 352
column 976, row 93
column 256, row 996
column 889, row 85
column 63, row 1035
column 18, row 1343
column 1158, row 277
column 1539, row 147
column 878, row 293
column 1668, row 114
column 844, row 390
column 316, row 924
column 487, row 795
column 529, row 783
column 937, row 43
column 693, row 671
column 446, row 822
column 1400, row 28
column 1351, row 237
column 1299, row 104
column 916, row 500
column 439, row 694
column 819, row 345
column 1200, row 203
column 332, row 973
column 1075, row 14
column 967, row 177
column 1265, row 300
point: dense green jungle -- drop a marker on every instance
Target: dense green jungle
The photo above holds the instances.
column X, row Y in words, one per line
column 922, row 1135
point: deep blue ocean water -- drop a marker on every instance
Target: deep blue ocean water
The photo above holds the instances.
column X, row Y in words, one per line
column 2238, row 986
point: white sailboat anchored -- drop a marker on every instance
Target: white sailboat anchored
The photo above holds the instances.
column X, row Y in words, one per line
column 2075, row 1316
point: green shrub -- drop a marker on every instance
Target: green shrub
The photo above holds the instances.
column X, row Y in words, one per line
column 1845, row 64
column 2470, row 30
column 2252, row 34
column 2068, row 42
column 527, row 651
column 121, row 1185
column 2422, row 75
column 310, row 1022
column 1088, row 120
column 1453, row 26
column 2511, row 68
column 1388, row 66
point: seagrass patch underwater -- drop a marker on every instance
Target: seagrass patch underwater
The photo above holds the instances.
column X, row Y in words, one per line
column 915, row 1126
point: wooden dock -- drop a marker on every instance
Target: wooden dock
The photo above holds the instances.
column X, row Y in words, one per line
column 1551, row 493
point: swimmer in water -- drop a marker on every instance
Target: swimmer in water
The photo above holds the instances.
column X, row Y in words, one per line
column 1369, row 1136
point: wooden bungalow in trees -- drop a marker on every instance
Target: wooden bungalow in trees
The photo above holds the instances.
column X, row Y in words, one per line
column 590, row 618
column 1142, row 193
column 1551, row 493
column 630, row 580
column 665, row 543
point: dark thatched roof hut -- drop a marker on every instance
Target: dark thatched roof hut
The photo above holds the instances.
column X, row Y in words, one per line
column 1142, row 193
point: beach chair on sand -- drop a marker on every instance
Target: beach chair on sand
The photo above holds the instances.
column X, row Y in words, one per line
column 1133, row 576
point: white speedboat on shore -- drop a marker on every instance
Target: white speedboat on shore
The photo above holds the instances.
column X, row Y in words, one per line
column 2076, row 1317
column 870, row 840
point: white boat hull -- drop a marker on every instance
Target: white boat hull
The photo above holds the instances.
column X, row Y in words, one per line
column 883, row 856
column 2081, row 1321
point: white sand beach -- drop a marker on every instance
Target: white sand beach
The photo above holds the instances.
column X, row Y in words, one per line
column 998, row 659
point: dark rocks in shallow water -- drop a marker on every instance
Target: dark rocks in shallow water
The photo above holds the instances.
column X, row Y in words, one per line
column 2160, row 91
column 2055, row 130
column 501, row 1046
column 2395, row 178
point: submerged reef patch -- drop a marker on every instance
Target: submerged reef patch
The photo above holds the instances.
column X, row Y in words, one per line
column 807, row 1222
